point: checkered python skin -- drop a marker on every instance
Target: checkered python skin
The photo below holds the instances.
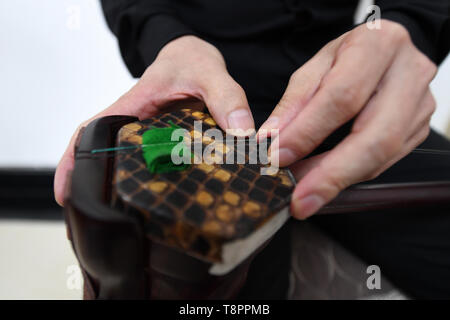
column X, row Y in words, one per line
column 200, row 209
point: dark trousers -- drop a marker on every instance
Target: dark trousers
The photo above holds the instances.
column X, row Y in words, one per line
column 411, row 246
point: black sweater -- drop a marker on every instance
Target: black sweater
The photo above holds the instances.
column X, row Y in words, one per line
column 263, row 39
column 144, row 27
column 263, row 43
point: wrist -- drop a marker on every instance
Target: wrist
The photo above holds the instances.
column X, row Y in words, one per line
column 189, row 44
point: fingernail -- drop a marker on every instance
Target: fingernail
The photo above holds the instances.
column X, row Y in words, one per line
column 240, row 119
column 307, row 206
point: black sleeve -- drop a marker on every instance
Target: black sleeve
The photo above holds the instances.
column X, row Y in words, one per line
column 427, row 21
column 142, row 27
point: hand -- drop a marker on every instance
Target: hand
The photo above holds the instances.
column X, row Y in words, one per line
column 377, row 76
column 186, row 68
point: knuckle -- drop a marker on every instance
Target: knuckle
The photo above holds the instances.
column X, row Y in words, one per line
column 344, row 99
column 385, row 149
column 294, row 76
column 392, row 145
column 336, row 183
column 330, row 47
column 308, row 141
column 354, row 38
column 425, row 67
column 347, row 96
column 395, row 32
column 425, row 132
column 237, row 88
column 431, row 105
column 286, row 102
column 304, row 143
column 230, row 88
column 372, row 175
column 350, row 42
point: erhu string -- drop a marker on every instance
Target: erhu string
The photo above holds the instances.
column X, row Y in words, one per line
column 113, row 149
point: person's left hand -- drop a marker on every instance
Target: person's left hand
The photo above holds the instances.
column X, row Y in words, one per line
column 377, row 76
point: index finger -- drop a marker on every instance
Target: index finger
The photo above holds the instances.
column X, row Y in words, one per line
column 342, row 94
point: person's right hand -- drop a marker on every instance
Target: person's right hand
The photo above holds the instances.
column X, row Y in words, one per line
column 185, row 68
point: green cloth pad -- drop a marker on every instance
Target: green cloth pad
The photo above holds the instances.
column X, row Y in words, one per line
column 157, row 148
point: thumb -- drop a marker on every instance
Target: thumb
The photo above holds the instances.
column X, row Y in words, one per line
column 227, row 103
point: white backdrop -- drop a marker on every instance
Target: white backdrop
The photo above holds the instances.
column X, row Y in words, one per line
column 59, row 65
